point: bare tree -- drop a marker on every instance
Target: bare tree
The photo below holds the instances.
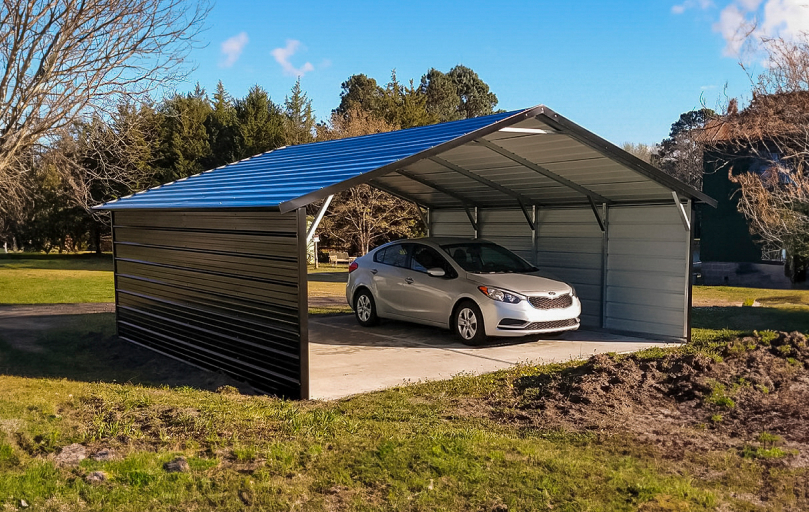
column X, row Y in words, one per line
column 363, row 216
column 771, row 135
column 68, row 60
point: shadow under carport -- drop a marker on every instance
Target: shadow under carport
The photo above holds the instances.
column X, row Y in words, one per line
column 346, row 359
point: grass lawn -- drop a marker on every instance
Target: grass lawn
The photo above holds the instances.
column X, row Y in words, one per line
column 420, row 447
column 429, row 446
column 410, row 448
column 55, row 278
column 70, row 278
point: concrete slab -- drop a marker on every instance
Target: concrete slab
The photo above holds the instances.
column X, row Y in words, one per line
column 346, row 359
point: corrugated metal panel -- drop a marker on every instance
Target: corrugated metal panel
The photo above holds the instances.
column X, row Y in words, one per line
column 450, row 223
column 647, row 276
column 219, row 289
column 570, row 248
column 275, row 177
column 508, row 228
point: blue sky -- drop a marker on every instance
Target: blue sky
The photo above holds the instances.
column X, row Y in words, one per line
column 625, row 70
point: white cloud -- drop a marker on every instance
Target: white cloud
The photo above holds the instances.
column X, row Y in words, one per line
column 692, row 4
column 282, row 56
column 744, row 19
column 232, row 49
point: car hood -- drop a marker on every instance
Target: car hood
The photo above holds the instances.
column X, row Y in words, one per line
column 526, row 284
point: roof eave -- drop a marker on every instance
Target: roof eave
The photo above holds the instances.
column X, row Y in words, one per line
column 603, row 146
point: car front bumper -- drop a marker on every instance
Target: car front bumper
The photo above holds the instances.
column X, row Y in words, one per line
column 522, row 319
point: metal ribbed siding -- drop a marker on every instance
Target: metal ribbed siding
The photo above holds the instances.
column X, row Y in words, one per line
column 647, row 281
column 450, row 223
column 508, row 228
column 224, row 290
column 570, row 247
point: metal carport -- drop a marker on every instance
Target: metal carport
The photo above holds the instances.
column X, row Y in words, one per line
column 211, row 269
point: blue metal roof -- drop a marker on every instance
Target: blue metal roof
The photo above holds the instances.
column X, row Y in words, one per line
column 285, row 174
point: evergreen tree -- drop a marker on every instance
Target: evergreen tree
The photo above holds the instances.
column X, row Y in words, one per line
column 185, row 143
column 222, row 127
column 300, row 120
column 458, row 94
column 260, row 124
column 359, row 91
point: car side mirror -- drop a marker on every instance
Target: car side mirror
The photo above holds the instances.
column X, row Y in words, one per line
column 436, row 272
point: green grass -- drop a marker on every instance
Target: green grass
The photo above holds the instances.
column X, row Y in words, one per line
column 56, row 279
column 71, row 278
column 409, row 448
column 766, row 297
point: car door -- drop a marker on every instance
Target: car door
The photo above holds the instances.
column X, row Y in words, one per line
column 389, row 279
column 428, row 298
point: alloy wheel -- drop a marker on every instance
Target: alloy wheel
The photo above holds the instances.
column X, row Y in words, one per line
column 364, row 308
column 467, row 323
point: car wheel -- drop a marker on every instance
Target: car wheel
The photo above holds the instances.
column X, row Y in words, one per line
column 365, row 309
column 468, row 324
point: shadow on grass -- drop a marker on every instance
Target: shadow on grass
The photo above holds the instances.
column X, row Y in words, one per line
column 784, row 318
column 85, row 348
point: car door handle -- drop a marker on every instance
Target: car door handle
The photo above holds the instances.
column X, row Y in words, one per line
column 374, row 271
column 409, row 280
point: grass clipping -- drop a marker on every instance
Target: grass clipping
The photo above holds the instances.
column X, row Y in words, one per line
column 746, row 395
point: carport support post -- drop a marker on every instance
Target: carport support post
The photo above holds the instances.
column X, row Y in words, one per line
column 605, row 243
column 303, row 304
column 535, row 236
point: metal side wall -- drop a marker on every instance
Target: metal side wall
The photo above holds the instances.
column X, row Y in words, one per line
column 648, row 257
column 450, row 223
column 570, row 247
column 509, row 228
column 219, row 289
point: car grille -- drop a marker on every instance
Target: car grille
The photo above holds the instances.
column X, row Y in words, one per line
column 560, row 302
column 553, row 324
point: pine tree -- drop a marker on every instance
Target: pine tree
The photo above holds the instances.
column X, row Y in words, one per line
column 300, row 120
column 260, row 123
column 222, row 129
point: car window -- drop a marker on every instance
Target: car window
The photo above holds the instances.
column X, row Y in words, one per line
column 424, row 258
column 379, row 256
column 395, row 255
column 486, row 258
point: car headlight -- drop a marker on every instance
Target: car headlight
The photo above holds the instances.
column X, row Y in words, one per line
column 500, row 295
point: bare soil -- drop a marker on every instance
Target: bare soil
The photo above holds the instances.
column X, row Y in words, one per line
column 756, row 386
column 683, row 404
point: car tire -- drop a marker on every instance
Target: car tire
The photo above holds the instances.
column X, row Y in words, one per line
column 365, row 309
column 467, row 322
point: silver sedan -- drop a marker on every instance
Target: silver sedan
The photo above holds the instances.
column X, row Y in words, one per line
column 474, row 287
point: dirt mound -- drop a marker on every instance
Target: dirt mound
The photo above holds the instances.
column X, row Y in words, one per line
column 750, row 390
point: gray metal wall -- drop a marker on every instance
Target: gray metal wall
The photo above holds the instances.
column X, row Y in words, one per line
column 224, row 290
column 646, row 250
column 570, row 247
column 649, row 252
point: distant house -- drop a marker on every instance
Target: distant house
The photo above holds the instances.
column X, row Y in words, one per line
column 730, row 254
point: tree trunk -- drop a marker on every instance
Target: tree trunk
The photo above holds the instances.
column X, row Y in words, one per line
column 97, row 237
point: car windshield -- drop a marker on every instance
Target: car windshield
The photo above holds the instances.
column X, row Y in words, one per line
column 486, row 258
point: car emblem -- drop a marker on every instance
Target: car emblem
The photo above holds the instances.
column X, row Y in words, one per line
column 551, row 293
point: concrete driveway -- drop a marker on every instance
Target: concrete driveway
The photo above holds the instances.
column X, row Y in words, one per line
column 345, row 358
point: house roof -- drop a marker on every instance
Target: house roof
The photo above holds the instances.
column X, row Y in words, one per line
column 523, row 157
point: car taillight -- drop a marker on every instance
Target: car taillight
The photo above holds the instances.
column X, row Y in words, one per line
column 353, row 267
